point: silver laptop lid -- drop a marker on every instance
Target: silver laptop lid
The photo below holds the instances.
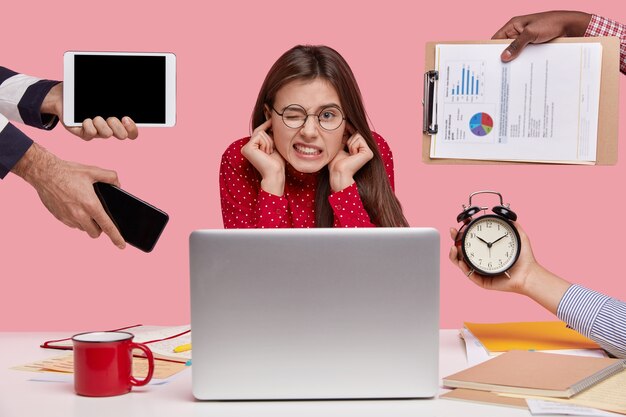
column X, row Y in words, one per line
column 315, row 313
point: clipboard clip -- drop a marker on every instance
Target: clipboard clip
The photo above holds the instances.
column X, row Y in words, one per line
column 430, row 110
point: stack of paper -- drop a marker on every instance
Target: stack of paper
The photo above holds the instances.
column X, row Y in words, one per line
column 590, row 382
column 160, row 339
column 64, row 366
column 484, row 341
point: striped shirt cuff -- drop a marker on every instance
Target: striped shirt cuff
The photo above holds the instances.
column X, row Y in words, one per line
column 13, row 145
column 610, row 328
column 597, row 316
column 579, row 308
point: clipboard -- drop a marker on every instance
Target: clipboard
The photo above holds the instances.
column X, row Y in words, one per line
column 608, row 116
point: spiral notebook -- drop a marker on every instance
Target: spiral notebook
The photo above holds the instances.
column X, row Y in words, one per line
column 536, row 373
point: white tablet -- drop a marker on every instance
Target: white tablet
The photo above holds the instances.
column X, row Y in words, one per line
column 141, row 85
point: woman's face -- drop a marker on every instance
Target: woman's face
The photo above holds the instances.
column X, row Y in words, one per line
column 309, row 148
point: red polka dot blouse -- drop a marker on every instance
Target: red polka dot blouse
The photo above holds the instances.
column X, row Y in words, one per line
column 246, row 205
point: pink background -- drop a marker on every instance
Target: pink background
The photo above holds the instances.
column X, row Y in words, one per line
column 56, row 278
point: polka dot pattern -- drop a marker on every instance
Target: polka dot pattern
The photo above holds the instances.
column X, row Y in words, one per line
column 246, row 205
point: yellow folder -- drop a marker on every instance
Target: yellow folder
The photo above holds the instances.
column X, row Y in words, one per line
column 538, row 335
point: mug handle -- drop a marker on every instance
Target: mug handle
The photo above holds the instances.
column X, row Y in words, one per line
column 134, row 381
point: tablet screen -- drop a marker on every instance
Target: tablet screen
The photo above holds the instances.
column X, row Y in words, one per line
column 119, row 85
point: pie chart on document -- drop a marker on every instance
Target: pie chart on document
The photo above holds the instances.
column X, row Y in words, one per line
column 481, row 124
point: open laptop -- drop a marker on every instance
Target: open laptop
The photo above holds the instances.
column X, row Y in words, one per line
column 315, row 313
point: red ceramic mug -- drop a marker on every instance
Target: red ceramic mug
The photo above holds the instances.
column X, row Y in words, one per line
column 103, row 363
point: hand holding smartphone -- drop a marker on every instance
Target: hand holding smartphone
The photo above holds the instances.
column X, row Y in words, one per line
column 139, row 223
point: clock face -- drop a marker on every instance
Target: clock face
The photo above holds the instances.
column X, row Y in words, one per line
column 491, row 245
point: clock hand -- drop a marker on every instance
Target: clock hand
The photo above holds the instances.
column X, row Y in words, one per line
column 501, row 237
column 486, row 243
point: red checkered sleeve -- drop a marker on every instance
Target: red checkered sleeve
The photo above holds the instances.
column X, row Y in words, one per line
column 601, row 26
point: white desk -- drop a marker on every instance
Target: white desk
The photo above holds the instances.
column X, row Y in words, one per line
column 20, row 397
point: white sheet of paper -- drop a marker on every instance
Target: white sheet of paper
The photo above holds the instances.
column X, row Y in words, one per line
column 555, row 408
column 541, row 107
column 594, row 353
column 165, row 347
column 476, row 352
column 69, row 378
column 162, row 347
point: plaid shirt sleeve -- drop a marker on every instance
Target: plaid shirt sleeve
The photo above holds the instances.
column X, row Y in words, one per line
column 600, row 26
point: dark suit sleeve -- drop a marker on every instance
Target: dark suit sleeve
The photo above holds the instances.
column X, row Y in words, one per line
column 21, row 97
column 13, row 145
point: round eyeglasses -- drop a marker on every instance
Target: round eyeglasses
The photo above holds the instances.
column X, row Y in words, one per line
column 295, row 116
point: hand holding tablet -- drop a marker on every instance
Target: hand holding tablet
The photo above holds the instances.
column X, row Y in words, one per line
column 106, row 85
column 90, row 128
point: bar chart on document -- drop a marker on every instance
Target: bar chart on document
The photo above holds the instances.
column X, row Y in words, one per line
column 542, row 107
column 463, row 84
column 465, row 81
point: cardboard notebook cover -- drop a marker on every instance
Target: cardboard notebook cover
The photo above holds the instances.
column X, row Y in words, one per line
column 484, row 397
column 536, row 373
column 608, row 114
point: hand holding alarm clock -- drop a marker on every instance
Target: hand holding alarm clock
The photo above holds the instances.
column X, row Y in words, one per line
column 490, row 243
column 498, row 239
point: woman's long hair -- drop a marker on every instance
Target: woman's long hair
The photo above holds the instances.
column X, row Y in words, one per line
column 307, row 62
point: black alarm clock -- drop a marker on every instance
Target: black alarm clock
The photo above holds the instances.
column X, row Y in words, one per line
column 490, row 243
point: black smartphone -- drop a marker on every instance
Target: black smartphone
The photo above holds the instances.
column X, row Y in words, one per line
column 139, row 223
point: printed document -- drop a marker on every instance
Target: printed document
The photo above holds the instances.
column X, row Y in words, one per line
column 541, row 107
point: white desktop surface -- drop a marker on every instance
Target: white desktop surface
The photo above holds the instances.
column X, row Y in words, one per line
column 20, row 397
